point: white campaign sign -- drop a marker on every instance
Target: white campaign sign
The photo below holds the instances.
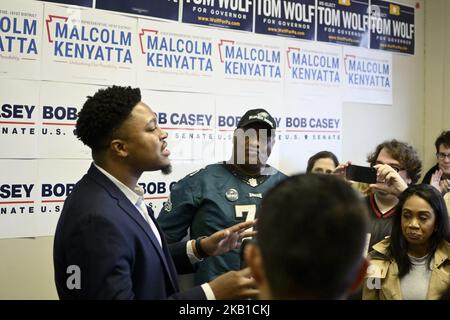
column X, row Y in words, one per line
column 88, row 46
column 19, row 103
column 188, row 119
column 56, row 180
column 59, row 105
column 367, row 76
column 309, row 125
column 175, row 58
column 312, row 69
column 20, row 39
column 32, row 194
column 19, row 195
column 249, row 63
column 157, row 186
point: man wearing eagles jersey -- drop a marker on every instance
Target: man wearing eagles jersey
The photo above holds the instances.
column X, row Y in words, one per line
column 224, row 193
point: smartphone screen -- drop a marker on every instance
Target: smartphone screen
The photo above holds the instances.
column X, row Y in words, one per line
column 361, row 174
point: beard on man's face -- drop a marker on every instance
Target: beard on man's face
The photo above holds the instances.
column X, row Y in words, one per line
column 167, row 169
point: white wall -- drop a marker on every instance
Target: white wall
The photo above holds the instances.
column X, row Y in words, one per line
column 365, row 125
column 437, row 75
column 420, row 111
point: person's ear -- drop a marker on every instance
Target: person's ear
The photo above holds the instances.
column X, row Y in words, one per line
column 253, row 259
column 361, row 275
column 119, row 148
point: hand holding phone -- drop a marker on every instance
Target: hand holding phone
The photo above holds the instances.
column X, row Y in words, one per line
column 389, row 180
column 361, row 174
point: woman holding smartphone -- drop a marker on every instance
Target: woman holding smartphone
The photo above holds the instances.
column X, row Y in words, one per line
column 414, row 263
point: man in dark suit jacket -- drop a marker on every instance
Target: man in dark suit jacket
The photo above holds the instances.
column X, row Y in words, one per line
column 107, row 243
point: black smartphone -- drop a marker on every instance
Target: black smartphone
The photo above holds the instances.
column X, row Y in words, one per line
column 361, row 174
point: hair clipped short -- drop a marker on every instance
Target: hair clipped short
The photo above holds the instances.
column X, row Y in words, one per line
column 103, row 113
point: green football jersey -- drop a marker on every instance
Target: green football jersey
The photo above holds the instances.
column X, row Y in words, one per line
column 209, row 200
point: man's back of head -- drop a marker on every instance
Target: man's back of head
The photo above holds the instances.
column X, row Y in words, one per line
column 311, row 237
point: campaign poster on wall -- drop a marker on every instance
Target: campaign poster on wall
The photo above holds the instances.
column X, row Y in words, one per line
column 88, row 46
column 249, row 64
column 188, row 119
column 289, row 18
column 343, row 22
column 309, row 125
column 222, row 13
column 230, row 109
column 157, row 186
column 19, row 195
column 32, row 194
column 367, row 76
column 174, row 58
column 312, row 69
column 84, row 3
column 56, row 180
column 20, row 39
column 59, row 104
column 392, row 27
column 19, row 113
column 166, row 9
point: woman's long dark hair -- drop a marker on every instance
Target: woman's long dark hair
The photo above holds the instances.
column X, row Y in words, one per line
column 399, row 245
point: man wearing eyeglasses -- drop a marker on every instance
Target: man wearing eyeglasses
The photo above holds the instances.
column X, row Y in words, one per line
column 439, row 175
column 398, row 166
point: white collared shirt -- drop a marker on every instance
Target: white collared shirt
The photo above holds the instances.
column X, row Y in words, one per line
column 136, row 197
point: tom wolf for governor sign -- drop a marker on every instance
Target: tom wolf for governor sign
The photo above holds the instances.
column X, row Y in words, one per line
column 289, row 18
column 392, row 27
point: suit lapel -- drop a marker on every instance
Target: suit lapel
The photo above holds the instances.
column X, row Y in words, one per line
column 129, row 208
column 165, row 248
column 135, row 215
column 133, row 212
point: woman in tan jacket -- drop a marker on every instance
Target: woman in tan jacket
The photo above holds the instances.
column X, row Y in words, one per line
column 414, row 263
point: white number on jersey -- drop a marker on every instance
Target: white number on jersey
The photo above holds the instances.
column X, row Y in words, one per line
column 250, row 209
